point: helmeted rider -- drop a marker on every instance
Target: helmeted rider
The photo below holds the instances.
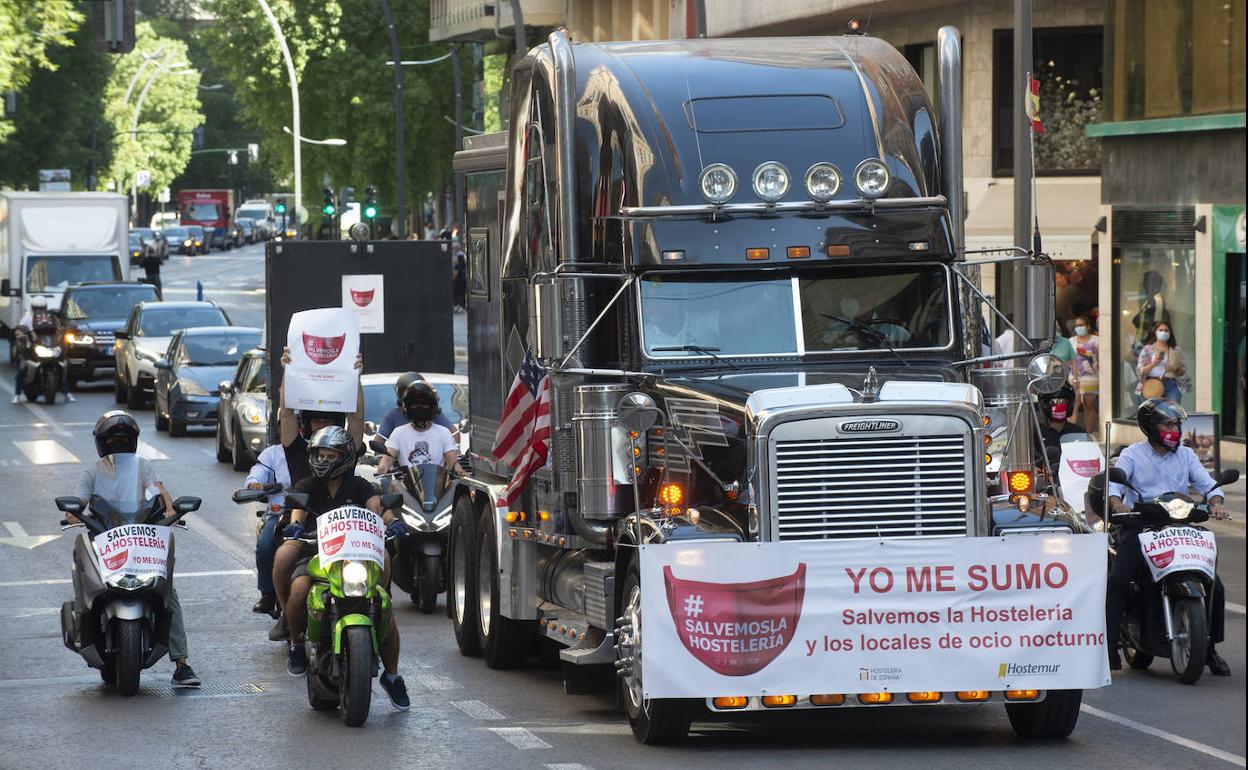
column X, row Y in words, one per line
column 37, row 319
column 421, row 440
column 117, row 441
column 333, row 484
column 1056, row 409
column 1153, row 467
column 395, row 417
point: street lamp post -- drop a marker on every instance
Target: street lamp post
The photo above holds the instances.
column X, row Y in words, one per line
column 294, row 101
column 331, row 142
column 138, row 112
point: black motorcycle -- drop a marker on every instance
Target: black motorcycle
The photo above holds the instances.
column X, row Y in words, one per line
column 123, row 574
column 1168, row 604
column 42, row 358
column 418, row 563
column 265, row 513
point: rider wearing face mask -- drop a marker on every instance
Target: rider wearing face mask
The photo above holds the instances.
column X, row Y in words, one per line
column 1155, row 466
column 1056, row 409
column 421, row 441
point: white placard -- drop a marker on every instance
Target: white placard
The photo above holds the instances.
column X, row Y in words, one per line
column 1177, row 549
column 350, row 533
column 851, row 616
column 322, row 375
column 1081, row 460
column 134, row 549
column 365, row 295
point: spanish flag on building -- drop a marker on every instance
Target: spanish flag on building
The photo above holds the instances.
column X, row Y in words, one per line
column 1033, row 104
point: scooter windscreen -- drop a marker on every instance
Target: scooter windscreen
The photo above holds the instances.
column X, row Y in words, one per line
column 426, row 482
column 119, row 485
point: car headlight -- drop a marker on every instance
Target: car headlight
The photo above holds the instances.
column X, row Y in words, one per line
column 718, row 183
column 354, row 579
column 79, row 339
column 771, row 181
column 823, row 180
column 43, row 351
column 872, row 178
column 188, row 243
column 253, row 414
column 192, row 388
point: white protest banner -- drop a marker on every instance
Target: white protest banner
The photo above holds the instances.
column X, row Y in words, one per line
column 852, row 616
column 134, row 549
column 322, row 375
column 365, row 295
column 350, row 533
column 1175, row 549
column 1081, row 460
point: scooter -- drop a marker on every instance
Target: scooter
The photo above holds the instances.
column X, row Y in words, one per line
column 42, row 358
column 418, row 563
column 265, row 513
column 119, row 618
column 1168, row 611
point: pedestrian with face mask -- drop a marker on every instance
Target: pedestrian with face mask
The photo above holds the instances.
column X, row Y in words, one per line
column 1087, row 365
column 1160, row 365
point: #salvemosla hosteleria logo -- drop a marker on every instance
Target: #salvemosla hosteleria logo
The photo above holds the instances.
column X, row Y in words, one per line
column 323, row 350
column 736, row 629
column 362, row 298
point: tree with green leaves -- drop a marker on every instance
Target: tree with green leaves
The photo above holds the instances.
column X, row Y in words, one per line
column 151, row 107
column 30, row 31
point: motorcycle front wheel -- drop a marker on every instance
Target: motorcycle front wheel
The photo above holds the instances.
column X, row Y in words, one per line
column 356, row 689
column 128, row 660
column 1189, row 648
column 430, row 585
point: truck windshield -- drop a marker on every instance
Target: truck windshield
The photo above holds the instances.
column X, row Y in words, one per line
column 54, row 273
column 853, row 308
column 202, row 212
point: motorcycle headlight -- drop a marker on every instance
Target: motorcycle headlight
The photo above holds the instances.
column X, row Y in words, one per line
column 354, row 579
column 252, row 414
column 443, row 519
column 131, row 582
column 79, row 339
column 192, row 388
column 43, row 351
column 415, row 519
column 1179, row 509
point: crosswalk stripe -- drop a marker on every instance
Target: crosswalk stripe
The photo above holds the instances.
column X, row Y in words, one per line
column 151, row 452
column 46, row 451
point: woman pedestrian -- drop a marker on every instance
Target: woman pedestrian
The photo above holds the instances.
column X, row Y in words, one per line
column 1087, row 371
column 1160, row 365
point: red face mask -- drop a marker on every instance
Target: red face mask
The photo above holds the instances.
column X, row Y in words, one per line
column 1058, row 410
column 1170, row 438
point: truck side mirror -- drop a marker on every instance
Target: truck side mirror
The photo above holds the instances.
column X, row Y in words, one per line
column 7, row 290
column 1046, row 373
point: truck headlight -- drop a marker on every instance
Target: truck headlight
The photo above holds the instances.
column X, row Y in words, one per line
column 354, row 579
column 823, row 181
column 771, row 181
column 718, row 183
column 43, row 351
column 872, row 178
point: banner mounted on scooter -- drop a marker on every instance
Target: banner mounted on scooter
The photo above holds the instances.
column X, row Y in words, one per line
column 350, row 533
column 134, row 549
column 321, row 375
column 1178, row 549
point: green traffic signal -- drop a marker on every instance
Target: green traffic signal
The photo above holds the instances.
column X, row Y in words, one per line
column 370, row 212
column 328, row 210
column 280, row 208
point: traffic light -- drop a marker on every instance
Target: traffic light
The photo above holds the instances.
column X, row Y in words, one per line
column 330, row 207
column 370, row 202
column 279, row 208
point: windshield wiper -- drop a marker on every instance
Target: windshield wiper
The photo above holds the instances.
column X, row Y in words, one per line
column 704, row 350
column 874, row 334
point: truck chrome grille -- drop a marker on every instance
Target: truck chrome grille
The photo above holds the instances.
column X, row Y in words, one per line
column 866, row 487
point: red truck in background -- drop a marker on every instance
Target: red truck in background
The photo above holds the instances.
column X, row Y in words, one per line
column 211, row 209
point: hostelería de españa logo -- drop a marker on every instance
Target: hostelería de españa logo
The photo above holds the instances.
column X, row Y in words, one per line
column 736, row 629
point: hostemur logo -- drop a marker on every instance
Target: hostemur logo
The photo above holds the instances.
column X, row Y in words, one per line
column 323, row 350
column 1028, row 669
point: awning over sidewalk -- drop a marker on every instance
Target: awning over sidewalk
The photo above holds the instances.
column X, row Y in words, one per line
column 1068, row 208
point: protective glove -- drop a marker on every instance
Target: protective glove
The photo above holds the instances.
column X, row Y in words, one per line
column 293, row 531
column 398, row 530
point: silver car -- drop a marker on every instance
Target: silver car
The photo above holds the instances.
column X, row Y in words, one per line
column 243, row 414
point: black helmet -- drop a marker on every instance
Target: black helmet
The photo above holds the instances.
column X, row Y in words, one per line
column 338, row 440
column 401, row 385
column 308, row 415
column 420, row 402
column 1063, row 395
column 116, row 432
column 1153, row 412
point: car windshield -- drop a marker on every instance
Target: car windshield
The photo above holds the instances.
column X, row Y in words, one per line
column 217, row 349
column 379, row 399
column 852, row 308
column 244, row 222
column 56, row 272
column 164, row 322
column 177, row 233
column 106, row 304
column 196, row 231
column 136, row 239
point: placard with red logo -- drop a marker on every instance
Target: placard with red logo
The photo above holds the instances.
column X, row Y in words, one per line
column 350, row 533
column 134, row 549
column 853, row 616
column 365, row 295
column 323, row 345
column 1178, row 549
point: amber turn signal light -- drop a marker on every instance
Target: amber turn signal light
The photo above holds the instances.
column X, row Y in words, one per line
column 972, row 696
column 757, row 253
column 827, row 699
column 731, row 702
column 923, row 697
column 779, row 701
column 875, row 698
column 1022, row 694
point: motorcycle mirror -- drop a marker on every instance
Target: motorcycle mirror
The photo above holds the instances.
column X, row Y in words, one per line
column 162, row 364
column 71, row 505
column 391, row 502
column 1228, row 476
column 296, row 501
column 249, row 495
column 378, row 445
column 1117, row 476
column 370, row 426
column 225, row 386
column 185, row 505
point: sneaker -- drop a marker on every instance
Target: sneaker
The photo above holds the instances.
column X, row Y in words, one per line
column 279, row 632
column 70, row 398
column 265, row 605
column 296, row 660
column 1217, row 665
column 397, row 690
column 184, row 676
column 16, row 399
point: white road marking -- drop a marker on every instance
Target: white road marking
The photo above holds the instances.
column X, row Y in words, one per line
column 239, row 552
column 1238, row 609
column 477, row 710
column 51, row 422
column 151, row 452
column 18, row 537
column 520, row 737
column 30, row 612
column 1178, row 740
column 46, row 451
column 568, row 766
column 208, row 293
column 436, row 682
column 66, row 581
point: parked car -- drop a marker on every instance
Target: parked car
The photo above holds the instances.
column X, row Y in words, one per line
column 154, row 241
column 188, row 377
column 243, row 416
column 200, row 237
column 247, row 229
column 137, row 248
column 90, row 314
column 144, row 340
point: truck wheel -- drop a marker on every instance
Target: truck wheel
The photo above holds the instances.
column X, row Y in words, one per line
column 1136, row 659
column 461, row 591
column 1053, row 717
column 356, row 690
column 504, row 643
column 129, row 656
column 656, row 721
column 1190, row 647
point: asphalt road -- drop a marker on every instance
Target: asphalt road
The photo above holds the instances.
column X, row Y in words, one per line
column 250, row 713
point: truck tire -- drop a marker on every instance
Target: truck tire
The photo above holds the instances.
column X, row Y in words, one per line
column 461, row 589
column 1053, row 717
column 356, row 690
column 504, row 642
column 128, row 660
column 1190, row 648
column 657, row 721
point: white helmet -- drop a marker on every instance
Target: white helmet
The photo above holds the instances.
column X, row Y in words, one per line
column 38, row 303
